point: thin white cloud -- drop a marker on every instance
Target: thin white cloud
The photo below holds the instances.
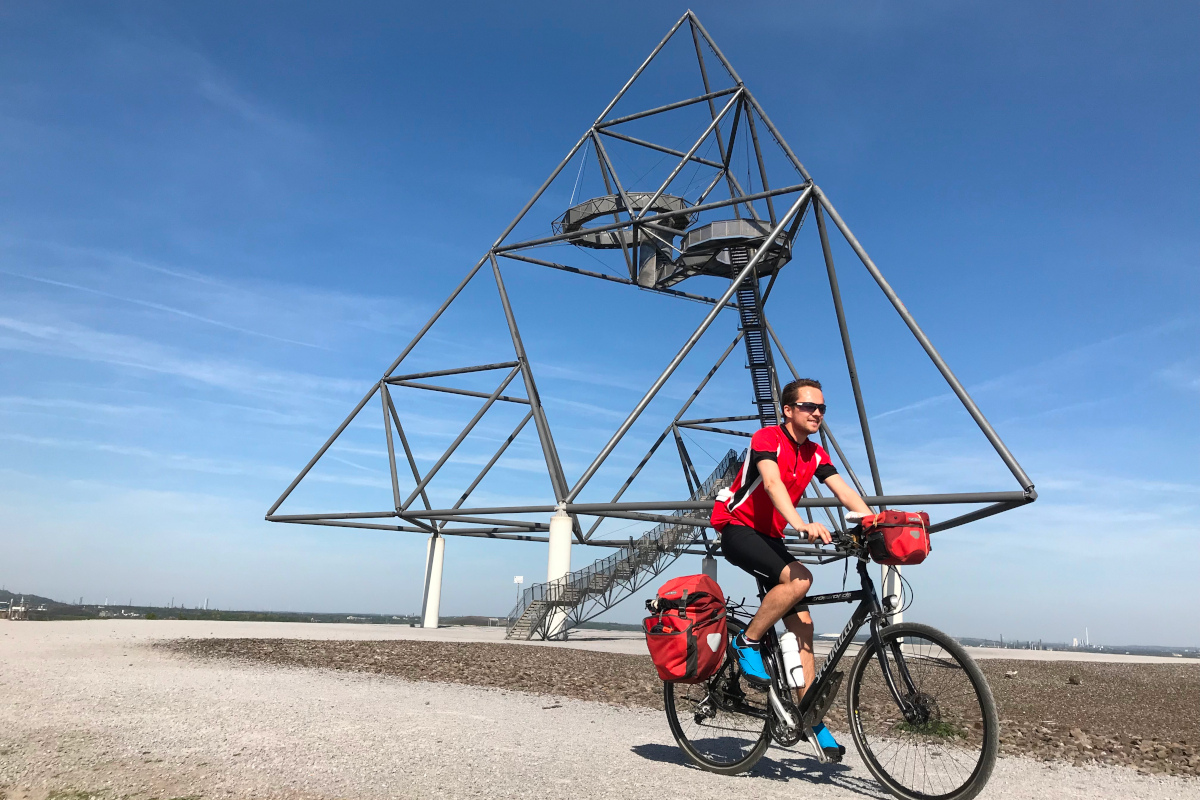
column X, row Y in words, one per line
column 191, row 463
column 164, row 308
column 588, row 408
column 13, row 402
column 78, row 342
column 1099, row 349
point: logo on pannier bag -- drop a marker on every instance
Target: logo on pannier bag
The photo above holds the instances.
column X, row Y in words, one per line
column 714, row 641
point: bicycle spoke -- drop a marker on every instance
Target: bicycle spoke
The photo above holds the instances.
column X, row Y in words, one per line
column 721, row 724
column 943, row 749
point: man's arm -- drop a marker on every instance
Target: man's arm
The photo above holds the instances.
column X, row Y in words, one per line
column 782, row 501
column 845, row 495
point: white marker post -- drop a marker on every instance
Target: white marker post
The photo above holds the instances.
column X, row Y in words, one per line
column 435, row 552
column 558, row 567
column 518, row 580
column 892, row 585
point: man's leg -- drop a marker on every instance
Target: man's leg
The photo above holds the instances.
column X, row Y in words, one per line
column 801, row 624
column 794, row 581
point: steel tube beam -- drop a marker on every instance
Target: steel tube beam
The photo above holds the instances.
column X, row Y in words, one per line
column 762, row 170
column 848, row 350
column 459, row 371
column 412, row 462
column 930, row 350
column 686, row 405
column 606, row 169
column 978, row 514
column 450, row 390
column 716, row 179
column 458, row 440
column 565, row 268
column 777, row 136
column 558, row 237
column 483, row 533
column 312, row 462
column 659, row 148
column 695, row 21
column 812, row 484
column 436, row 315
column 825, row 430
column 331, row 515
column 642, row 68
column 687, row 347
column 694, row 522
column 955, row 498
column 511, row 523
column 367, row 525
column 588, row 273
column 717, row 430
column 387, row 427
column 682, row 410
column 747, row 418
column 712, row 110
column 688, row 156
column 494, row 459
column 557, row 480
column 661, row 109
column 689, row 469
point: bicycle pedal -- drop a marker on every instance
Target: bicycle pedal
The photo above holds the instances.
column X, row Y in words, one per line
column 757, row 683
column 821, row 753
column 834, row 754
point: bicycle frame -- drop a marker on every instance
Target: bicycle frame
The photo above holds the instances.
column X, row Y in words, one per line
column 869, row 610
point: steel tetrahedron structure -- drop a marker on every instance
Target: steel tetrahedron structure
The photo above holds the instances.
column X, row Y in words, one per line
column 724, row 211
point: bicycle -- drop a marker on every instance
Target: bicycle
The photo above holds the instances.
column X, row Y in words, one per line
column 919, row 709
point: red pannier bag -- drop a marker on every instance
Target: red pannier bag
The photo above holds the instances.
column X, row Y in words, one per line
column 898, row 538
column 687, row 635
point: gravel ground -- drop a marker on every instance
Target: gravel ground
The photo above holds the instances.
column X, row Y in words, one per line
column 1143, row 715
column 92, row 711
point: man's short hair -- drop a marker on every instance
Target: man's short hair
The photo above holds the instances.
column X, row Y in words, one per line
column 792, row 390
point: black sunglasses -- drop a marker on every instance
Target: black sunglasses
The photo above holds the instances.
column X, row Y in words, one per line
column 810, row 407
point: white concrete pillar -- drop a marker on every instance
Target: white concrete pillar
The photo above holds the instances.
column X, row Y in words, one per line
column 431, row 603
column 559, row 566
column 892, row 585
column 708, row 566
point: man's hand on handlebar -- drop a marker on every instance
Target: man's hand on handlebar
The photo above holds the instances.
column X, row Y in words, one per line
column 816, row 532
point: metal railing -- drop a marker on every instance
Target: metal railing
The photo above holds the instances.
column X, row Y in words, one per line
column 587, row 592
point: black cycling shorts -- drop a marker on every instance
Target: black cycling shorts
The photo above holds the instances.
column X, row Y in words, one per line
column 764, row 557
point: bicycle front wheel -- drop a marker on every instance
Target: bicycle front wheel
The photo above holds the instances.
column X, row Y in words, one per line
column 721, row 724
column 946, row 748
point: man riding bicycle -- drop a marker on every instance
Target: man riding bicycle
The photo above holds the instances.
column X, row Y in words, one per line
column 752, row 514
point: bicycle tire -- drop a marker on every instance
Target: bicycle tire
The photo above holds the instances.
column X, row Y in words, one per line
column 959, row 729
column 724, row 755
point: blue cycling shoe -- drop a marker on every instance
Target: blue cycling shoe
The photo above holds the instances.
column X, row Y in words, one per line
column 833, row 750
column 750, row 659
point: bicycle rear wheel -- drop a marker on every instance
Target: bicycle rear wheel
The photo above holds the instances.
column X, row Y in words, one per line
column 721, row 724
column 947, row 751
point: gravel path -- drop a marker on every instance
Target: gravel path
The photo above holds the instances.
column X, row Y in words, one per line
column 91, row 709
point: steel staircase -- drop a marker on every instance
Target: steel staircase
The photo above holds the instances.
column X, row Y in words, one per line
column 758, row 347
column 586, row 593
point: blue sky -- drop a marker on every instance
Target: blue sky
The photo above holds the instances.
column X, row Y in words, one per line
column 221, row 223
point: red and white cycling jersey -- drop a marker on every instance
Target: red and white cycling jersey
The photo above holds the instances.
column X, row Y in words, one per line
column 747, row 500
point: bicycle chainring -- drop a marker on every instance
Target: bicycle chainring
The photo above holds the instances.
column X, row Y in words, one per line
column 784, row 735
